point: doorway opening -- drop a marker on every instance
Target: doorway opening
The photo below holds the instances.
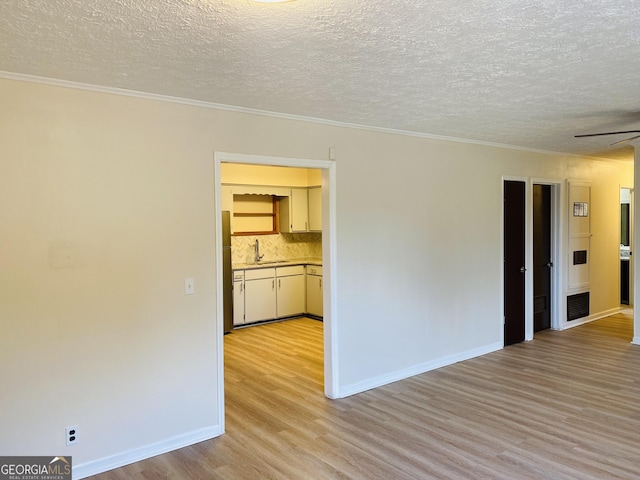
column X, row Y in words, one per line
column 327, row 175
column 546, row 257
column 626, row 241
column 542, row 258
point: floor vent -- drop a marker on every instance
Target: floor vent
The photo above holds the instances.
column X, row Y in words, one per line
column 577, row 306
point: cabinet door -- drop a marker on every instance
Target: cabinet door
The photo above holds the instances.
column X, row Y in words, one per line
column 294, row 211
column 579, row 236
column 291, row 295
column 314, row 295
column 315, row 209
column 299, row 210
column 238, row 303
column 259, row 300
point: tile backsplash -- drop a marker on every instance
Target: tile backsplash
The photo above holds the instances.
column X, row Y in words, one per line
column 281, row 246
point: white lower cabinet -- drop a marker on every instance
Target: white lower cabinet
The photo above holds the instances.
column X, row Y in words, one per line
column 290, row 291
column 314, row 290
column 259, row 295
column 238, row 297
column 270, row 293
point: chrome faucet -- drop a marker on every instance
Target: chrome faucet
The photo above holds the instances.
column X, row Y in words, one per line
column 257, row 247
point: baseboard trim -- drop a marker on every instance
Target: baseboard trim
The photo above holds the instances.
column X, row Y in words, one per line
column 636, row 341
column 591, row 318
column 375, row 382
column 137, row 454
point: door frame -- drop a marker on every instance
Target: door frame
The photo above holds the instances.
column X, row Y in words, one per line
column 329, row 242
column 556, row 254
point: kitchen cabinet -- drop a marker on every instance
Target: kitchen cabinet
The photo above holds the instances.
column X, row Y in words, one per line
column 290, row 296
column 294, row 211
column 314, row 290
column 315, row 209
column 269, row 293
column 238, row 297
column 259, row 294
column 232, row 196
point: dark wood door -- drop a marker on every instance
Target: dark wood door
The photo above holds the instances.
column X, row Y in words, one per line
column 514, row 261
column 542, row 263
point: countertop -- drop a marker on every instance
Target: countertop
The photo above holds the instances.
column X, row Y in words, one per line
column 277, row 263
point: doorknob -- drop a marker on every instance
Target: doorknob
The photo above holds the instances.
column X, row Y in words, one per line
column 550, row 264
column 522, row 269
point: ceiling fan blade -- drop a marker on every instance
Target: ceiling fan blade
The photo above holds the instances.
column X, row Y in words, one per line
column 625, row 141
column 606, row 133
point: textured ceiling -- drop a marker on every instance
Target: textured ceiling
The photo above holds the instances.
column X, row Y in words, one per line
column 528, row 73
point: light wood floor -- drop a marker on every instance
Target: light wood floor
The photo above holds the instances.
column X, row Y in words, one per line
column 564, row 406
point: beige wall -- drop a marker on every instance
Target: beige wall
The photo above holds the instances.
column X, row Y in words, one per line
column 106, row 206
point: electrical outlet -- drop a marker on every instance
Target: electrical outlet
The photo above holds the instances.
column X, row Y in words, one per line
column 72, row 435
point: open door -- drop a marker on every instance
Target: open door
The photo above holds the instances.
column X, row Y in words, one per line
column 514, row 261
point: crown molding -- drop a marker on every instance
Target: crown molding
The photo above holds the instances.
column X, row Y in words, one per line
column 286, row 116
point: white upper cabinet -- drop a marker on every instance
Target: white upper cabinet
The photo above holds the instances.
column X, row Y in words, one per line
column 253, row 209
column 294, row 211
column 315, row 209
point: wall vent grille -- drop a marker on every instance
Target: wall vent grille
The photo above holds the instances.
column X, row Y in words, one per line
column 579, row 257
column 577, row 306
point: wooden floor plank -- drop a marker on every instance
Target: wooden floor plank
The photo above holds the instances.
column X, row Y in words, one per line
column 563, row 406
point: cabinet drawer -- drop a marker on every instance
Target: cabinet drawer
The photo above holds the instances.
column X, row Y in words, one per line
column 314, row 270
column 292, row 270
column 238, row 275
column 258, row 273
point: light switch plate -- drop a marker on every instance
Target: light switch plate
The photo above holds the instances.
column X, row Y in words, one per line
column 189, row 286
